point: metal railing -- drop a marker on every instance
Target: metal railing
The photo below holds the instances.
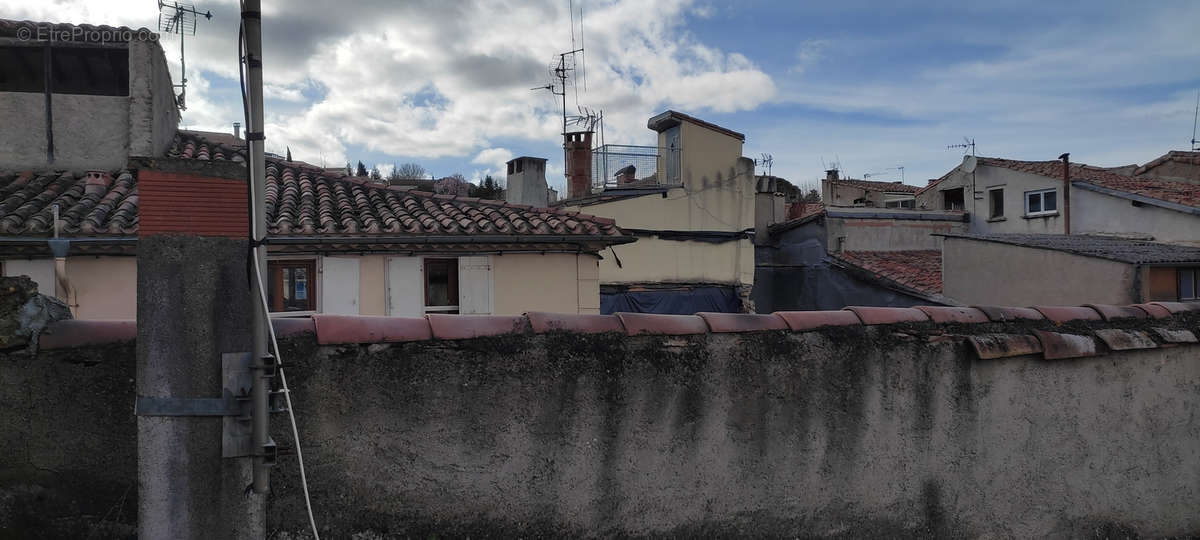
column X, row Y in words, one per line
column 617, row 165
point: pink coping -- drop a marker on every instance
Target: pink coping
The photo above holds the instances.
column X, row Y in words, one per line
column 1154, row 310
column 672, row 325
column 947, row 314
column 1179, row 307
column 78, row 333
column 1056, row 346
column 1069, row 313
column 888, row 315
column 293, row 326
column 473, row 326
column 742, row 322
column 807, row 320
column 1110, row 312
column 543, row 322
column 334, row 329
column 1005, row 313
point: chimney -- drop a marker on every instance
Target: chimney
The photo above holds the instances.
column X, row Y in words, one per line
column 769, row 208
column 1066, row 159
column 97, row 183
column 237, row 130
column 577, row 148
column 526, row 182
column 831, row 174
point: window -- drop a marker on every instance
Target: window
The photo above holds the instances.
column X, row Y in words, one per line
column 292, row 285
column 441, row 285
column 1041, row 202
column 952, row 199
column 995, row 203
column 908, row 203
column 1188, row 283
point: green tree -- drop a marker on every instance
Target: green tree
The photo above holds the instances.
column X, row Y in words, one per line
column 488, row 189
column 362, row 169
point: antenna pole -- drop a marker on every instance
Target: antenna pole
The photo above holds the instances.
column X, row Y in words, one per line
column 1195, row 115
column 182, row 74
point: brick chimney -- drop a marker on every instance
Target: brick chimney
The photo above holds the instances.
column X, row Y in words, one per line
column 577, row 148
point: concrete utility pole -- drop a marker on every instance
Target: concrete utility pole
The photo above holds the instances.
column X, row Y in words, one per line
column 252, row 24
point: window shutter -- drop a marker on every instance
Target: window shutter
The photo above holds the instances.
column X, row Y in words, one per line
column 475, row 285
column 405, row 287
column 339, row 285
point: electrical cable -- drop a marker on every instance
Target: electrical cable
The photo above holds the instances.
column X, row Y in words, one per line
column 262, row 291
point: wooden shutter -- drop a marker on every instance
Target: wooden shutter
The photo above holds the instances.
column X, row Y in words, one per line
column 405, row 287
column 475, row 285
column 339, row 285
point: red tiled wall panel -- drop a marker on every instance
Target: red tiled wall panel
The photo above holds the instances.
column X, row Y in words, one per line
column 190, row 204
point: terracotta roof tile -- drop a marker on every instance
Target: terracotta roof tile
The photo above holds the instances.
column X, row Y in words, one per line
column 301, row 200
column 1177, row 192
column 920, row 270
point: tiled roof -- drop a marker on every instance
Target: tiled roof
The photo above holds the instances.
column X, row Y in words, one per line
column 301, row 201
column 1102, row 247
column 871, row 185
column 1179, row 156
column 919, row 270
column 27, row 203
column 1182, row 193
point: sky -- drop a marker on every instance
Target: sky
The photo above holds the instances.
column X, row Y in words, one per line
column 880, row 89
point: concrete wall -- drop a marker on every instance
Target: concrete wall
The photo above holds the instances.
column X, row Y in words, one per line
column 1097, row 213
column 154, row 116
column 817, row 435
column 847, row 432
column 853, row 234
column 1175, row 169
column 990, row 273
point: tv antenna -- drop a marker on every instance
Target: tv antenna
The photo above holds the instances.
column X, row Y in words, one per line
column 560, row 71
column 967, row 143
column 765, row 160
column 180, row 19
column 1195, row 115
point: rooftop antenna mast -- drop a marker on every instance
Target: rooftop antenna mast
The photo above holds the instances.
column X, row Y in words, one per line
column 560, row 70
column 179, row 19
column 967, row 143
column 1195, row 115
column 765, row 160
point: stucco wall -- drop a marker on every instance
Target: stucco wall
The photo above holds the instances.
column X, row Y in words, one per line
column 534, row 282
column 896, row 432
column 990, row 273
column 103, row 287
column 153, row 116
column 90, row 132
column 1097, row 213
column 654, row 260
column 887, row 234
column 815, row 435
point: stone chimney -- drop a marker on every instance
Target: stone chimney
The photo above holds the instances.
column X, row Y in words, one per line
column 526, row 182
column 577, row 148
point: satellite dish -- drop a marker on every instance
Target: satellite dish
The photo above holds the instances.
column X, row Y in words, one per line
column 969, row 163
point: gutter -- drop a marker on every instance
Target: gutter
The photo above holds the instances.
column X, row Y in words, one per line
column 475, row 239
column 1083, row 184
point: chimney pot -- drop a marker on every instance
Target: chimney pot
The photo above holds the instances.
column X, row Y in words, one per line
column 96, row 183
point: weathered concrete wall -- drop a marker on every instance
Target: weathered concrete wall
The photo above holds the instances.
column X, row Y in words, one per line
column 846, row 433
column 978, row 273
column 153, row 115
column 888, row 234
column 1097, row 213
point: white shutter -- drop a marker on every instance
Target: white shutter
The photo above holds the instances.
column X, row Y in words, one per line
column 475, row 285
column 339, row 285
column 41, row 271
column 406, row 287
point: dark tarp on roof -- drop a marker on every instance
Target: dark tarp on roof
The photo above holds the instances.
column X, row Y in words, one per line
column 672, row 301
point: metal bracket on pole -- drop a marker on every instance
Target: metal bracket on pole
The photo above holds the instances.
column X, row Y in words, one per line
column 234, row 406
